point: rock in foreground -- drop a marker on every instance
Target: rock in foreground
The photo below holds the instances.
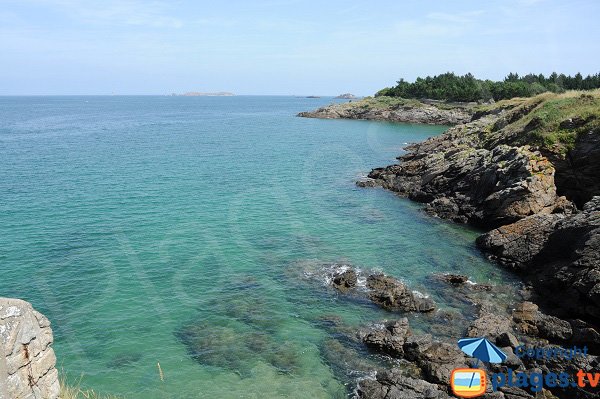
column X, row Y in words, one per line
column 27, row 360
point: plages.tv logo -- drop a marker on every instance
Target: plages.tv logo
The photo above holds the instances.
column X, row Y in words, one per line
column 470, row 383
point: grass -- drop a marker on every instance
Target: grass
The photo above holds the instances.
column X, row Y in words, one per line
column 68, row 391
column 542, row 115
column 381, row 103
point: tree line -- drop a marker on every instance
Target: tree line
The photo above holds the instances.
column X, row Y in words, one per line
column 452, row 87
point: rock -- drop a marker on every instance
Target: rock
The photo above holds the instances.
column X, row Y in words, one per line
column 455, row 279
column 530, row 321
column 559, row 255
column 489, row 325
column 392, row 294
column 27, row 360
column 507, row 339
column 393, row 384
column 345, row 280
column 585, row 334
column 389, row 340
column 409, row 113
column 463, row 180
column 436, row 359
column 518, row 243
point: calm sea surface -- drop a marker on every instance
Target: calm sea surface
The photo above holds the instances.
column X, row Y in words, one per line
column 193, row 232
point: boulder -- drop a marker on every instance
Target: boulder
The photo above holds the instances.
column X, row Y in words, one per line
column 392, row 294
column 388, row 340
column 27, row 360
column 344, row 281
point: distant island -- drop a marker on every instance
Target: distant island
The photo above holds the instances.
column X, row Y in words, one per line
column 347, row 96
column 201, row 94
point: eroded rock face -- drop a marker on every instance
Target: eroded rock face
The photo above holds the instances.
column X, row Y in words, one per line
column 558, row 254
column 27, row 360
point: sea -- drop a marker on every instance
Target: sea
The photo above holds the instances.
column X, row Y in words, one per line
column 182, row 246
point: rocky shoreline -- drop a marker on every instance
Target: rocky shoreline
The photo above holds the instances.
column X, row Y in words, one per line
column 527, row 171
column 405, row 111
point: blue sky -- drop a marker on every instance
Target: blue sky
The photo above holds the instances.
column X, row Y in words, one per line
column 283, row 46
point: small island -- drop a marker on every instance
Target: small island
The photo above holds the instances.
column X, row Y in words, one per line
column 346, row 96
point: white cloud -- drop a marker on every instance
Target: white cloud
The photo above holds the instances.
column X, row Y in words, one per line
column 119, row 12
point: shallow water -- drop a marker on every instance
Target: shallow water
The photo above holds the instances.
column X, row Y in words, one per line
column 184, row 231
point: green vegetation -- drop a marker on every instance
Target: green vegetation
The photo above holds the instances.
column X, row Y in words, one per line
column 552, row 121
column 467, row 88
column 76, row 392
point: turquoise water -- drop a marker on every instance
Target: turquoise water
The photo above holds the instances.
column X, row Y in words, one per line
column 184, row 231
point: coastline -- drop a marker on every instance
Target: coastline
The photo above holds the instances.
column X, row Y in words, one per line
column 509, row 172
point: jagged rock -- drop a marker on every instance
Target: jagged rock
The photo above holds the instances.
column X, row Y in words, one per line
column 389, row 340
column 345, row 280
column 27, row 360
column 392, row 294
column 393, row 384
column 463, row 180
column 558, row 254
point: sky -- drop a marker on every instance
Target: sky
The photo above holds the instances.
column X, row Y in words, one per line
column 284, row 47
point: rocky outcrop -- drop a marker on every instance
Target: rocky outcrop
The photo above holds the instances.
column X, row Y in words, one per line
column 556, row 254
column 414, row 112
column 345, row 280
column 463, row 181
column 392, row 294
column 522, row 174
column 390, row 339
column 27, row 360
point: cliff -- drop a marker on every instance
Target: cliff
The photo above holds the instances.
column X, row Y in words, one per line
column 396, row 110
column 529, row 170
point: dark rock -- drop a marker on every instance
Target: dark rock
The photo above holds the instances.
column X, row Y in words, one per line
column 455, row 279
column 585, row 334
column 507, row 339
column 345, row 280
column 393, row 384
column 392, row 294
column 558, row 254
column 389, row 340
